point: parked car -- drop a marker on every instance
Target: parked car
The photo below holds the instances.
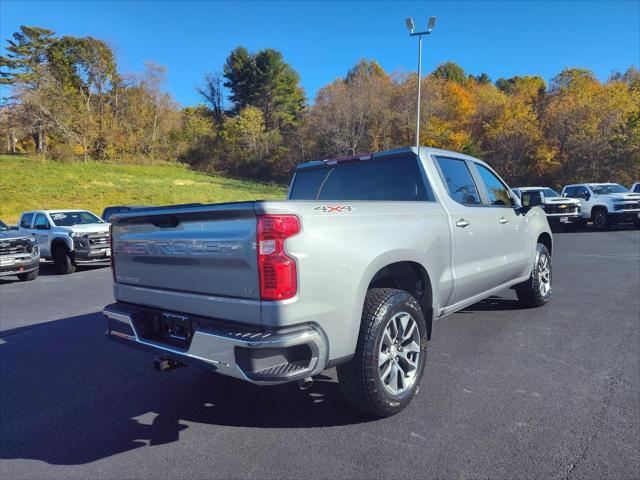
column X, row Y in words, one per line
column 108, row 211
column 605, row 204
column 557, row 209
column 349, row 272
column 635, row 188
column 19, row 254
column 68, row 237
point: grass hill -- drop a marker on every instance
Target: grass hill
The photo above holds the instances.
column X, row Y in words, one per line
column 27, row 183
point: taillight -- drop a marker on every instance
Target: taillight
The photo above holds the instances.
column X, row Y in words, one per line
column 113, row 257
column 278, row 275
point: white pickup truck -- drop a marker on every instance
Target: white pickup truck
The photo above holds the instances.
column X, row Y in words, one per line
column 69, row 237
column 559, row 210
column 605, row 204
column 349, row 272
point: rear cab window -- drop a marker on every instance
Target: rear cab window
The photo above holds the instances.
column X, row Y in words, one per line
column 390, row 178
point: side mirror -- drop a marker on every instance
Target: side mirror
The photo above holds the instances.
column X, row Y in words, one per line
column 586, row 196
column 42, row 227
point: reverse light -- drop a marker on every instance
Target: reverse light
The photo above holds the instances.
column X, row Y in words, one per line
column 278, row 274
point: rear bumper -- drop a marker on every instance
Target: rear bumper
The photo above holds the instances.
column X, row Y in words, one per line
column 20, row 265
column 258, row 356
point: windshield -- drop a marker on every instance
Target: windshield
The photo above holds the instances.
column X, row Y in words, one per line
column 3, row 226
column 607, row 189
column 67, row 219
column 550, row 193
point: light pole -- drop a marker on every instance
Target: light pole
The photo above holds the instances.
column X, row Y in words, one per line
column 411, row 27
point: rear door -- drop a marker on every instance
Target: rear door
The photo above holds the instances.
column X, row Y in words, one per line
column 474, row 230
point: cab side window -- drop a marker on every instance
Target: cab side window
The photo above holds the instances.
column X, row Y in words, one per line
column 25, row 221
column 497, row 191
column 41, row 220
column 457, row 177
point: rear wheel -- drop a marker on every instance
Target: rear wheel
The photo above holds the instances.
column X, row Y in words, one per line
column 385, row 373
column 27, row 277
column 536, row 291
column 601, row 219
column 63, row 261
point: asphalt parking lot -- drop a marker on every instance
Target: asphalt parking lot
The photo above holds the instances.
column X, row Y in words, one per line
column 508, row 393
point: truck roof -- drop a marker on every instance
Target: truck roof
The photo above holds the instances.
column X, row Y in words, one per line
column 396, row 151
column 586, row 184
column 61, row 210
column 529, row 188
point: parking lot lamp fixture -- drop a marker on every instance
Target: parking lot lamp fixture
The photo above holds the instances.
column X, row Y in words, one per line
column 412, row 33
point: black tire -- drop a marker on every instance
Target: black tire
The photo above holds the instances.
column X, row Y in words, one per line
column 530, row 293
column 601, row 219
column 27, row 277
column 63, row 261
column 360, row 379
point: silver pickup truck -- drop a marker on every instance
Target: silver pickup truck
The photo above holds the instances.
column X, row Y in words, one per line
column 350, row 271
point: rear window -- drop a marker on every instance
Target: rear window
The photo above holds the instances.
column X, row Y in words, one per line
column 390, row 179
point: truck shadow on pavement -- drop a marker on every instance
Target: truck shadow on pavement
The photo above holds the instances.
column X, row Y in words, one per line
column 70, row 396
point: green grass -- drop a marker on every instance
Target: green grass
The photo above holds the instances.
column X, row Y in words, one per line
column 28, row 183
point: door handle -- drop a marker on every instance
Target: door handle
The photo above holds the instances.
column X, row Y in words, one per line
column 503, row 220
column 463, row 223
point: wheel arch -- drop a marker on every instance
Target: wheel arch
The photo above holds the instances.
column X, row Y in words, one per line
column 60, row 242
column 411, row 277
column 546, row 239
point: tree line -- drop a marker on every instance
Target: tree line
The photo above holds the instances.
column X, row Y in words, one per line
column 66, row 99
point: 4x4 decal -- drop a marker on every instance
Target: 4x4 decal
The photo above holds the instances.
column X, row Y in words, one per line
column 333, row 208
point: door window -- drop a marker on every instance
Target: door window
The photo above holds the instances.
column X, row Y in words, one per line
column 25, row 221
column 41, row 220
column 496, row 190
column 531, row 199
column 460, row 184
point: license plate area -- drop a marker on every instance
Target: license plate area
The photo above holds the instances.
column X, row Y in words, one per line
column 176, row 329
column 166, row 328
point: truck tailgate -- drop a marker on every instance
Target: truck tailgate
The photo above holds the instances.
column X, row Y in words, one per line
column 188, row 256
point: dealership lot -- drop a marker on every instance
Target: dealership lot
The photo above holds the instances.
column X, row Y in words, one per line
column 552, row 392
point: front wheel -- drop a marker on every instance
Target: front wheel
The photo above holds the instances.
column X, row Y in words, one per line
column 63, row 261
column 601, row 219
column 385, row 373
column 27, row 277
column 536, row 291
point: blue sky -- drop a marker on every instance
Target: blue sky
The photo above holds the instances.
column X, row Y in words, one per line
column 322, row 40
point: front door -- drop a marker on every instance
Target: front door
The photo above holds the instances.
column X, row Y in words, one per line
column 475, row 230
column 40, row 230
column 513, row 240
